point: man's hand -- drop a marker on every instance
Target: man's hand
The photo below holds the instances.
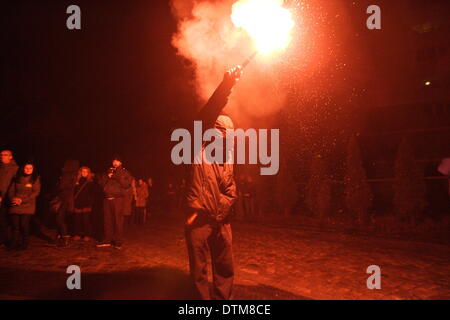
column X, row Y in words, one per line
column 233, row 75
column 17, row 201
column 191, row 219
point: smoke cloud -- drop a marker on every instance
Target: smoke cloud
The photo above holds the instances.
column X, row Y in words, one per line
column 207, row 37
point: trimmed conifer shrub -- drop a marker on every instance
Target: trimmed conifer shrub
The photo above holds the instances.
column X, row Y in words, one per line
column 409, row 185
column 318, row 190
column 357, row 193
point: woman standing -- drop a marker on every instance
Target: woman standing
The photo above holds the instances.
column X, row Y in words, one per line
column 128, row 204
column 141, row 195
column 83, row 196
column 23, row 193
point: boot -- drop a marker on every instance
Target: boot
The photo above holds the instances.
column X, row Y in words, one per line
column 24, row 245
column 65, row 241
column 62, row 241
column 14, row 245
column 59, row 241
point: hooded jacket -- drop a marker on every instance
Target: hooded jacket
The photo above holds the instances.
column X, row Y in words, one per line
column 211, row 190
column 7, row 173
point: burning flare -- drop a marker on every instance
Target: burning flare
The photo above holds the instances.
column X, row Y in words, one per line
column 266, row 22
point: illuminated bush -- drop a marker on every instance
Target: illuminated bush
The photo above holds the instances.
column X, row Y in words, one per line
column 409, row 185
column 286, row 189
column 318, row 189
column 357, row 194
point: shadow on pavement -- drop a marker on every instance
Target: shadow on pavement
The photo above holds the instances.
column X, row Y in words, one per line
column 160, row 283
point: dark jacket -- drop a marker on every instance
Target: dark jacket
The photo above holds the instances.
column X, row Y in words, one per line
column 211, row 188
column 128, row 201
column 117, row 185
column 26, row 188
column 83, row 194
column 66, row 184
column 7, row 173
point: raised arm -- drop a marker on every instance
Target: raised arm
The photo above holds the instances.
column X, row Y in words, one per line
column 209, row 113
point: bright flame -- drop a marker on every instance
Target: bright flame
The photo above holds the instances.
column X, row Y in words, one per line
column 266, row 22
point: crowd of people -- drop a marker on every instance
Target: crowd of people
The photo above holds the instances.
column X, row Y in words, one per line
column 125, row 200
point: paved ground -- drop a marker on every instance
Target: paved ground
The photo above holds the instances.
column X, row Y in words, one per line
column 271, row 263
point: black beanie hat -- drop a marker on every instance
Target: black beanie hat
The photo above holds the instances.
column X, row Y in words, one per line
column 117, row 157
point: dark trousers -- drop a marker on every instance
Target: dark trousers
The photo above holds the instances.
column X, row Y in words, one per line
column 248, row 205
column 203, row 239
column 113, row 220
column 127, row 220
column 82, row 223
column 3, row 223
column 140, row 215
column 21, row 226
column 61, row 223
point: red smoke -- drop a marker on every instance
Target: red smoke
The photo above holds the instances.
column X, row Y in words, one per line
column 207, row 37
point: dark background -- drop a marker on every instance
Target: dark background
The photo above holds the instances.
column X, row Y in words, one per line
column 112, row 87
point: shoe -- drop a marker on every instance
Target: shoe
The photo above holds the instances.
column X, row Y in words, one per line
column 62, row 241
column 76, row 238
column 24, row 245
column 87, row 239
column 15, row 243
column 66, row 241
column 58, row 241
column 103, row 245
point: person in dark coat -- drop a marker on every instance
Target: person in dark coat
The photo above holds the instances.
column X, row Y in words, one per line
column 171, row 199
column 210, row 196
column 23, row 192
column 8, row 169
column 181, row 193
column 66, row 185
column 444, row 168
column 115, row 183
column 239, row 206
column 140, row 196
column 150, row 202
column 248, row 198
column 128, row 199
column 83, row 195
